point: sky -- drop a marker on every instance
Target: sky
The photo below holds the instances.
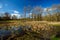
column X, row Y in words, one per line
column 16, row 6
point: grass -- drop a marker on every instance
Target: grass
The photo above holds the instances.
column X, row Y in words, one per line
column 56, row 39
column 57, row 30
column 35, row 25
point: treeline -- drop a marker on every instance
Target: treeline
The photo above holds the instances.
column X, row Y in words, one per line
column 41, row 14
column 36, row 14
column 7, row 16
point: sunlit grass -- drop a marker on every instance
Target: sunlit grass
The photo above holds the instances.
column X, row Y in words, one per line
column 38, row 28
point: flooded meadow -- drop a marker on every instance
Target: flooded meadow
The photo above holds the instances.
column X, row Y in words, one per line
column 28, row 31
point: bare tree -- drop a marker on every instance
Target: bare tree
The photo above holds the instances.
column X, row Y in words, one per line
column 49, row 14
column 29, row 10
column 25, row 10
column 38, row 13
column 33, row 15
column 57, row 12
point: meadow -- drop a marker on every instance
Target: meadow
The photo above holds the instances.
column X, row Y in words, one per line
column 30, row 30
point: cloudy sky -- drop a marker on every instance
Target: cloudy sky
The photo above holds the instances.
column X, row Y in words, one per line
column 16, row 6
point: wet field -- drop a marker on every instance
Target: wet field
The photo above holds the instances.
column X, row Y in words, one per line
column 35, row 31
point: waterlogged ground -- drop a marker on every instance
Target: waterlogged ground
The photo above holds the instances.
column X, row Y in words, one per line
column 29, row 31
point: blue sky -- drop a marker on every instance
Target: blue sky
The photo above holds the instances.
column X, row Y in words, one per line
column 18, row 5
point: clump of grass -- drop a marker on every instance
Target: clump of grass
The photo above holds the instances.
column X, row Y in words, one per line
column 54, row 38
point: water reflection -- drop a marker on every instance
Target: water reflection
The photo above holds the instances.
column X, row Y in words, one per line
column 22, row 30
column 15, row 30
column 4, row 32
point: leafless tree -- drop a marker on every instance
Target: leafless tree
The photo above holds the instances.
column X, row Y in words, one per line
column 29, row 10
column 38, row 12
column 25, row 10
column 48, row 13
column 57, row 12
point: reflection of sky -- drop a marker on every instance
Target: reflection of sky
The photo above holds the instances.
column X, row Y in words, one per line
column 18, row 5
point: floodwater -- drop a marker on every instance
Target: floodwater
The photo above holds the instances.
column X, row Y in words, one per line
column 19, row 31
column 6, row 32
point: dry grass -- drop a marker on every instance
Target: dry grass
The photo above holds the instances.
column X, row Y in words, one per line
column 40, row 27
column 33, row 23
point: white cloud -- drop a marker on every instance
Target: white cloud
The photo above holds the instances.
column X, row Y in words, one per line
column 16, row 11
column 30, row 13
column 17, row 15
column 50, row 9
column 45, row 9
